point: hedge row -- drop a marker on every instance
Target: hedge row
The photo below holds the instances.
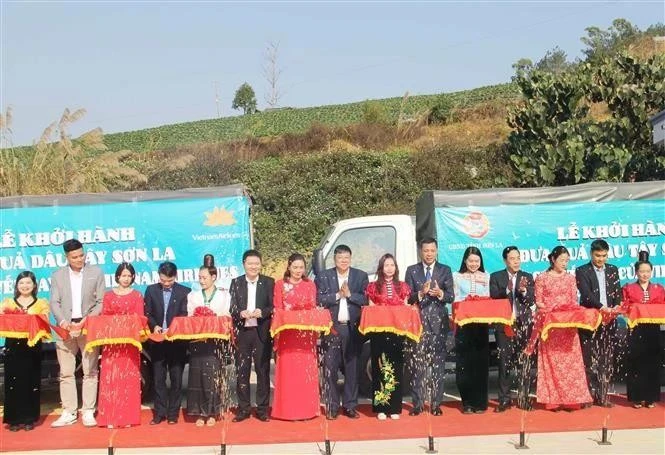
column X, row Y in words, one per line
column 297, row 197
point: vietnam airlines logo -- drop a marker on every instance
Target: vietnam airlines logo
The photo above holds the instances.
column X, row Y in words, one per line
column 476, row 225
column 219, row 216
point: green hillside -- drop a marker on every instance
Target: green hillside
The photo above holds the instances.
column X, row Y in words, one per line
column 288, row 120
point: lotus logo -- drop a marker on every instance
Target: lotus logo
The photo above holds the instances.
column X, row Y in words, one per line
column 476, row 225
column 219, row 216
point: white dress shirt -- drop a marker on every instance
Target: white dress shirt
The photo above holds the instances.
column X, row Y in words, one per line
column 76, row 286
column 343, row 315
column 512, row 278
column 251, row 302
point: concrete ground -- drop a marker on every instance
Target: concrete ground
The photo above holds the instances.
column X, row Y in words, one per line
column 644, row 441
column 651, row 441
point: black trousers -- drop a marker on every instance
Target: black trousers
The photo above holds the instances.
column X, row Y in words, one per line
column 22, row 381
column 168, row 357
column 390, row 346
column 252, row 348
column 510, row 352
column 644, row 363
column 342, row 347
column 472, row 366
column 427, row 363
column 598, row 355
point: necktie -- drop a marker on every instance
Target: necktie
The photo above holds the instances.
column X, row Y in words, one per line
column 428, row 273
column 166, row 293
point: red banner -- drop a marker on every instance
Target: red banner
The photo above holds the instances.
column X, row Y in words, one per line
column 33, row 327
column 645, row 313
column 315, row 320
column 115, row 329
column 482, row 311
column 197, row 328
column 401, row 320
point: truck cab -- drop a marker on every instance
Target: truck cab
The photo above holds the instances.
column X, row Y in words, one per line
column 369, row 238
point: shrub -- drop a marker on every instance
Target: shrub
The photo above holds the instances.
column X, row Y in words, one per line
column 374, row 112
column 444, row 168
column 298, row 198
column 189, row 167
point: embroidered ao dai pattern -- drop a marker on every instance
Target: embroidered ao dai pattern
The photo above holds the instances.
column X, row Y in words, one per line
column 561, row 375
column 387, row 344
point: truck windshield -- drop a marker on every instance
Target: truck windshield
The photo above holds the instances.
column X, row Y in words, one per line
column 368, row 244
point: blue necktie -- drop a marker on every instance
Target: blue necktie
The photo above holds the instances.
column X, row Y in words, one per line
column 428, row 273
column 166, row 294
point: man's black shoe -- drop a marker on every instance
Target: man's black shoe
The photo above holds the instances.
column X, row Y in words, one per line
column 262, row 417
column 331, row 415
column 603, row 404
column 467, row 410
column 240, row 416
column 437, row 411
column 172, row 421
column 415, row 411
column 351, row 413
column 502, row 407
column 157, row 420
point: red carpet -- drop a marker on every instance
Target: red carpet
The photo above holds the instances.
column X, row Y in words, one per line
column 252, row 431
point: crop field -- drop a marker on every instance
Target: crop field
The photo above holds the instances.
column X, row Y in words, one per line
column 293, row 120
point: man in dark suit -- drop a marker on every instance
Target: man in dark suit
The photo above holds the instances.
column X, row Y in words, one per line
column 341, row 290
column 251, row 309
column 599, row 287
column 164, row 301
column 431, row 286
column 517, row 286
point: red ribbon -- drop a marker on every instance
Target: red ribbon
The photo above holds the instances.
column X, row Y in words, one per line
column 483, row 310
column 398, row 319
column 313, row 320
column 196, row 328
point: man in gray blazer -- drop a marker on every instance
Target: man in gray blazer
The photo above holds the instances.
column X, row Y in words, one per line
column 77, row 291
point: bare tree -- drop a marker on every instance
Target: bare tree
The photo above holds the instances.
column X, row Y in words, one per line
column 272, row 71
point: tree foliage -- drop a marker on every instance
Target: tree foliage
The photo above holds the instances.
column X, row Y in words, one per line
column 555, row 140
column 245, row 99
column 603, row 43
column 554, row 61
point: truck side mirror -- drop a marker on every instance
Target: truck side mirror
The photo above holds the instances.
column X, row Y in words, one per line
column 318, row 264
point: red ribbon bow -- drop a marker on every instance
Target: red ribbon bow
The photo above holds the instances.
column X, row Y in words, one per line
column 203, row 311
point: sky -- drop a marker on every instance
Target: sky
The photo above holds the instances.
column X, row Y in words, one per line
column 139, row 64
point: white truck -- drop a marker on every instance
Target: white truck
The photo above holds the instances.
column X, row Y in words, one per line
column 631, row 216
